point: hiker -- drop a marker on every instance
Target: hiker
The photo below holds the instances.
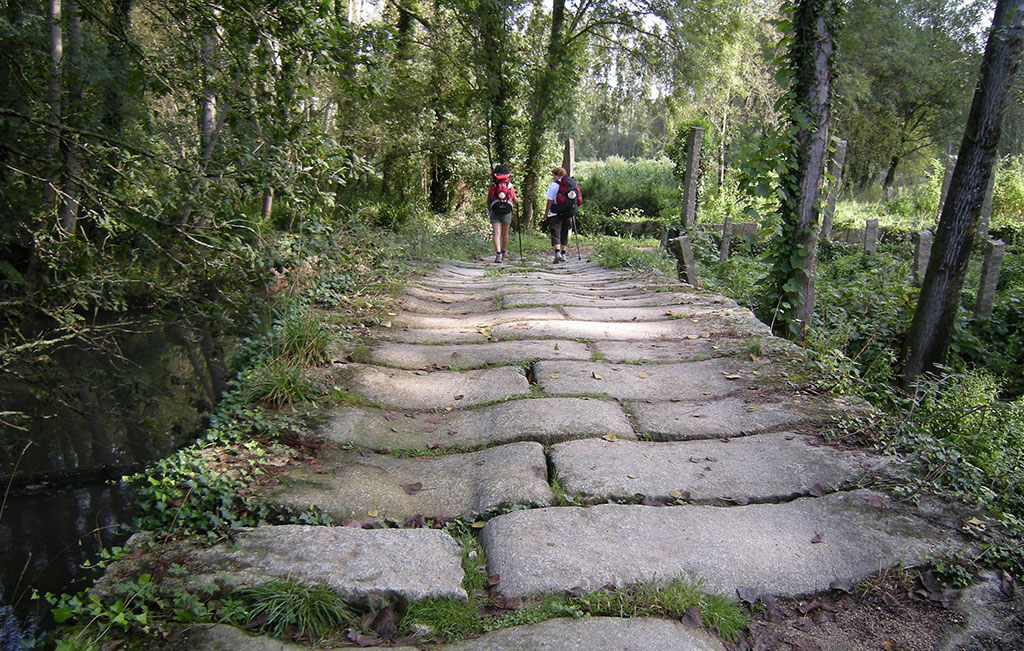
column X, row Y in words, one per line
column 564, row 197
column 500, row 200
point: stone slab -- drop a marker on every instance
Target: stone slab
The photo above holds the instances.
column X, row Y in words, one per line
column 432, row 336
column 469, row 356
column 221, row 637
column 680, row 350
column 728, row 417
column 787, row 550
column 437, row 389
column 656, row 313
column 411, row 303
column 683, row 381
column 480, row 320
column 763, row 468
column 596, row 634
column 366, row 485
column 358, row 564
column 446, row 296
column 546, row 420
column 639, row 298
column 634, row 331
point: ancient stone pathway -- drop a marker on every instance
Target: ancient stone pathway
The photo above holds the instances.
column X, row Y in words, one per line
column 645, row 431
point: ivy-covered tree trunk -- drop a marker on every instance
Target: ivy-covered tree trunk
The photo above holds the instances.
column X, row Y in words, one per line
column 54, row 96
column 72, row 156
column 932, row 328
column 544, row 95
column 497, row 82
column 810, row 60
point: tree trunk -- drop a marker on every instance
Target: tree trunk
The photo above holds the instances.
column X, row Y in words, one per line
column 119, row 87
column 890, row 174
column 543, row 96
column 813, row 49
column 72, row 155
column 932, row 328
column 208, row 102
column 497, row 82
column 53, row 14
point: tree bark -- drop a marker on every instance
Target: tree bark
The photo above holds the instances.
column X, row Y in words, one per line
column 54, row 93
column 931, row 331
column 72, row 155
column 543, row 97
column 814, row 46
column 890, row 174
column 497, row 82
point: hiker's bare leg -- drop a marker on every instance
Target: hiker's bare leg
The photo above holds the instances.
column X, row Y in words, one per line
column 497, row 237
column 504, row 237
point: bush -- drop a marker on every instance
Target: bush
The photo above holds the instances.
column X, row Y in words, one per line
column 619, row 185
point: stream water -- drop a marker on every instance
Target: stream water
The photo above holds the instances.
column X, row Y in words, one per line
column 87, row 417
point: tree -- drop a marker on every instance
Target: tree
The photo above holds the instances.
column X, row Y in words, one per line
column 811, row 50
column 907, row 68
column 932, row 327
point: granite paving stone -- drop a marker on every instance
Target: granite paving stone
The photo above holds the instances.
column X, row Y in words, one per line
column 708, row 378
column 596, row 634
column 656, row 313
column 546, row 420
column 763, row 468
column 633, row 331
column 787, row 550
column 469, row 356
column 704, row 419
column 435, row 390
column 360, row 485
column 481, row 320
column 640, row 298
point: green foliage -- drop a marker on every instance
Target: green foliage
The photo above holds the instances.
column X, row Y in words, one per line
column 280, row 382
column 286, row 608
column 618, row 253
column 619, row 185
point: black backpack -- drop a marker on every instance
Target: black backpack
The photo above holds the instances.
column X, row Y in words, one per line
column 501, row 195
column 567, row 198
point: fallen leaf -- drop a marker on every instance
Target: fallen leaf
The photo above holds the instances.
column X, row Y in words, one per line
column 631, row 476
column 747, row 595
column 692, row 618
column 384, row 623
column 610, row 438
column 421, row 372
column 691, row 336
column 412, row 489
column 493, row 580
column 642, row 376
column 373, row 513
column 596, row 376
column 391, row 415
column 459, row 397
column 436, row 420
column 679, row 495
column 818, row 538
column 553, row 377
column 817, row 490
column 732, row 377
column 705, row 335
column 808, row 606
column 386, row 324
column 842, row 585
column 479, row 524
column 752, row 407
column 556, row 346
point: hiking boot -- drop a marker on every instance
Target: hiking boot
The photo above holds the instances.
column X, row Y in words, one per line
column 557, row 259
column 561, row 254
column 497, row 257
column 504, row 256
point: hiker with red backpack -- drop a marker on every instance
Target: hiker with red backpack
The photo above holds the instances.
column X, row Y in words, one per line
column 500, row 200
column 564, row 197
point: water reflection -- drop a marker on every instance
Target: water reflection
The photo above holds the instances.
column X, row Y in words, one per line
column 44, row 540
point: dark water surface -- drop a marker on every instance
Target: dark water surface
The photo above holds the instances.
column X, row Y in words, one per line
column 44, row 540
column 84, row 417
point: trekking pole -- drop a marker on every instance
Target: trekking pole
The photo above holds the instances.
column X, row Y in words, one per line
column 519, row 225
column 578, row 256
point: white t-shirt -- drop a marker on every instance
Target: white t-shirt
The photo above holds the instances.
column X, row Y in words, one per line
column 552, row 195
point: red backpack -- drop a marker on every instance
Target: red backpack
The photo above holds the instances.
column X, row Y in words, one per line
column 501, row 195
column 568, row 197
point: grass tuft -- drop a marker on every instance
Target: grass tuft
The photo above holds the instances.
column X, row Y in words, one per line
column 284, row 607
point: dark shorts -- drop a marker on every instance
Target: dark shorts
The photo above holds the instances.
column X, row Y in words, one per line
column 500, row 219
column 559, row 229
